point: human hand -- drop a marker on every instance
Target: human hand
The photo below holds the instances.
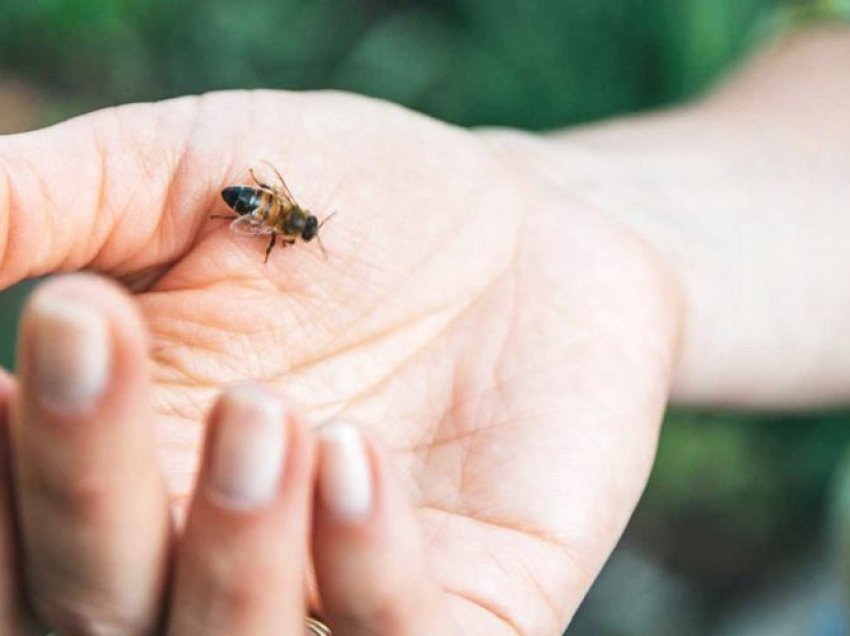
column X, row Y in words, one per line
column 511, row 347
column 90, row 500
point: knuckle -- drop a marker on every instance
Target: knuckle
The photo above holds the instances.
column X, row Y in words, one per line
column 75, row 498
column 386, row 612
column 219, row 584
column 229, row 594
column 73, row 616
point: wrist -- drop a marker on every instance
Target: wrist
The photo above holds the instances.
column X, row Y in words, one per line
column 746, row 223
column 591, row 190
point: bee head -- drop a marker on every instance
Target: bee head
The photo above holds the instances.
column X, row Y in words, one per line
column 311, row 228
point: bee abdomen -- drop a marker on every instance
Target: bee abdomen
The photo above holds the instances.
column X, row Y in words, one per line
column 241, row 199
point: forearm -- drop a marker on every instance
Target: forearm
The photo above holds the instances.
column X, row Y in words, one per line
column 746, row 196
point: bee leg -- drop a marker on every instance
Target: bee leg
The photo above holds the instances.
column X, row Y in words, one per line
column 258, row 182
column 229, row 217
column 269, row 248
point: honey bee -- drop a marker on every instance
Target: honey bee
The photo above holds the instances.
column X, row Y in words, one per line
column 269, row 209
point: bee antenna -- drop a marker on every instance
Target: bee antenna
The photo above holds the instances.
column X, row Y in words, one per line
column 322, row 247
column 325, row 220
column 318, row 235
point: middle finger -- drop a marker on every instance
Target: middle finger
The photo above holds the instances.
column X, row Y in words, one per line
column 241, row 562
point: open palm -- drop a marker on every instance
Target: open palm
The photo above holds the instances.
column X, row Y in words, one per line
column 510, row 347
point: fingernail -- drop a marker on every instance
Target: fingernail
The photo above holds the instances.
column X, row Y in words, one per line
column 248, row 449
column 345, row 480
column 70, row 351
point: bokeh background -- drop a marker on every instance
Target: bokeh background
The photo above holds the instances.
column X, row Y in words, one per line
column 745, row 526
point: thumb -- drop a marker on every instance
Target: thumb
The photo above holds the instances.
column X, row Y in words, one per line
column 99, row 191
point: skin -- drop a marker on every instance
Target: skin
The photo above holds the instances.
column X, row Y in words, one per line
column 504, row 326
column 475, row 372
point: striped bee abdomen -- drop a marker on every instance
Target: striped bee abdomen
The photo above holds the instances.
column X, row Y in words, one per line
column 241, row 199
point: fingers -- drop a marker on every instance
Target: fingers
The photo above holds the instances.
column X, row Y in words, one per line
column 91, row 504
column 370, row 561
column 104, row 207
column 9, row 591
column 242, row 560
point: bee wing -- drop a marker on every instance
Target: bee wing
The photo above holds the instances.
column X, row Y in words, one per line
column 266, row 175
column 249, row 226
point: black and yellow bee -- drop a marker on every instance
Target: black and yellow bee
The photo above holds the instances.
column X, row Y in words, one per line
column 270, row 209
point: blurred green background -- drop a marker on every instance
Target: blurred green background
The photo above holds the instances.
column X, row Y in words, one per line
column 738, row 533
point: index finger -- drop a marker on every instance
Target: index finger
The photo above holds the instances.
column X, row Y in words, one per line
column 113, row 191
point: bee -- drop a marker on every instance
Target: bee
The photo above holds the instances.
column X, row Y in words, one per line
column 269, row 209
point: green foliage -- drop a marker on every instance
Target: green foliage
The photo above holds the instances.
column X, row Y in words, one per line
column 749, row 465
column 532, row 64
column 706, row 36
column 732, row 495
column 10, row 303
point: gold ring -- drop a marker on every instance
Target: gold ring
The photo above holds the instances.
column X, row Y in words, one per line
column 317, row 627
